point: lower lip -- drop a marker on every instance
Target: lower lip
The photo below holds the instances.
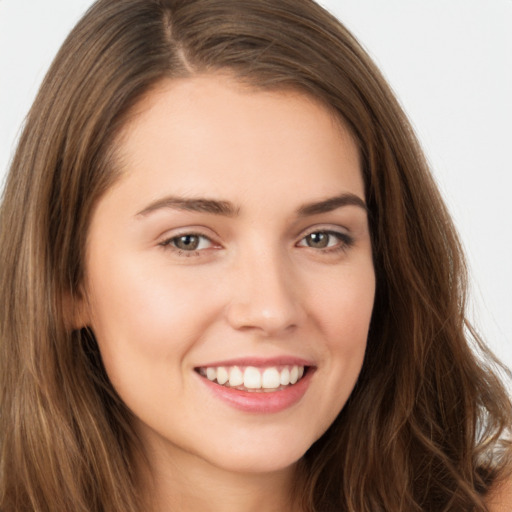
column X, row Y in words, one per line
column 261, row 401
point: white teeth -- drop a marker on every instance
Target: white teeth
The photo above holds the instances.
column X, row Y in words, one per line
column 211, row 373
column 254, row 378
column 236, row 377
column 285, row 377
column 294, row 375
column 270, row 378
column 222, row 375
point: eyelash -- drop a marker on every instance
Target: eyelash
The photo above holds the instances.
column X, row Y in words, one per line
column 345, row 242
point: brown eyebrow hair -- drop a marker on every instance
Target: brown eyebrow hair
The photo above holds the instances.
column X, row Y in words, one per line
column 330, row 204
column 225, row 208
column 228, row 209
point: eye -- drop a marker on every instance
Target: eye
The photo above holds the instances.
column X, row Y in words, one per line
column 319, row 240
column 326, row 240
column 188, row 242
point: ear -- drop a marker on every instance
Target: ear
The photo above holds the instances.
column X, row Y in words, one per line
column 75, row 308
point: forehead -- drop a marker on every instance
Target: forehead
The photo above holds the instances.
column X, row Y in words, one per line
column 212, row 135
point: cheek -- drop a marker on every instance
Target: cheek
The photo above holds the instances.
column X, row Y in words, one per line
column 345, row 304
column 343, row 312
column 144, row 312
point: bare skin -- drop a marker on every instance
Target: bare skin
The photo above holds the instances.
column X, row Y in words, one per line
column 500, row 497
column 236, row 240
column 215, row 491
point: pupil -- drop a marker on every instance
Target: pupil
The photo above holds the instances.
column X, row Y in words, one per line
column 319, row 240
column 187, row 242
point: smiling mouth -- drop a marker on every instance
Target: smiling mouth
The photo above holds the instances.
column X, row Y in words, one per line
column 254, row 379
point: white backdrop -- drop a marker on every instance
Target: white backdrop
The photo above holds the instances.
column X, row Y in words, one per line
column 450, row 63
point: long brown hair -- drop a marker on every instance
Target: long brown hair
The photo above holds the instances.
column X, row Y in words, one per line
column 424, row 424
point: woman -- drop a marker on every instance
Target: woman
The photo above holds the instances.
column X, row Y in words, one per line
column 229, row 281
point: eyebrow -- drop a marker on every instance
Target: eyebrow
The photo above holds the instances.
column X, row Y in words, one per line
column 213, row 206
column 333, row 203
column 228, row 209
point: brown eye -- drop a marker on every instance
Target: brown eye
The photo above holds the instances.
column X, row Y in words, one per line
column 187, row 242
column 327, row 241
column 318, row 240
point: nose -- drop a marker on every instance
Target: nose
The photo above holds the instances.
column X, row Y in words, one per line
column 264, row 296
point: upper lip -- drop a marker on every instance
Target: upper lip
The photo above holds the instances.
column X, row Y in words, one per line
column 260, row 362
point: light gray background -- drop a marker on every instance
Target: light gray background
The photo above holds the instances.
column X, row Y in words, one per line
column 450, row 63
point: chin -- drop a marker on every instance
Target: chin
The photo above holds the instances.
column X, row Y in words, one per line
column 259, row 455
column 261, row 463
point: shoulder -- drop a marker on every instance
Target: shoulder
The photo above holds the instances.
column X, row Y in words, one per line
column 499, row 498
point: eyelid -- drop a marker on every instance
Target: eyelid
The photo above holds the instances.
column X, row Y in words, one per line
column 200, row 237
column 325, row 228
column 329, row 232
column 195, row 230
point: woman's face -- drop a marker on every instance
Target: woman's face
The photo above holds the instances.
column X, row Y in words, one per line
column 229, row 274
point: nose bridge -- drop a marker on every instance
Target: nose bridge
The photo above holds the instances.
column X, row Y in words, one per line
column 264, row 293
